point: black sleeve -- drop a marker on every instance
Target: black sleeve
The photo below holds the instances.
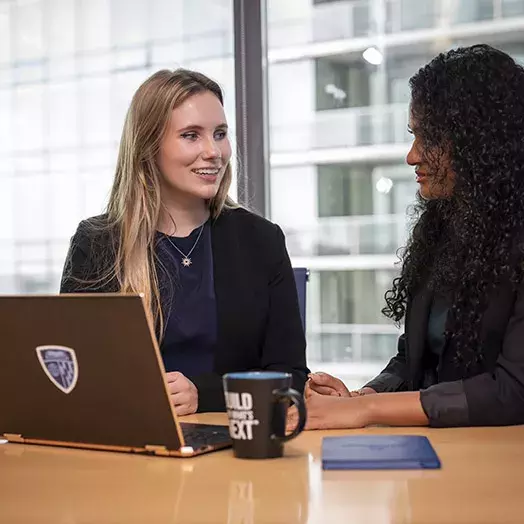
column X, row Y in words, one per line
column 210, row 392
column 285, row 342
column 284, row 345
column 394, row 377
column 488, row 399
column 88, row 264
column 76, row 268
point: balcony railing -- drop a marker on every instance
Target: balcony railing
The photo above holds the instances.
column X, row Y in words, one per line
column 348, row 19
column 343, row 236
column 325, row 22
column 362, row 126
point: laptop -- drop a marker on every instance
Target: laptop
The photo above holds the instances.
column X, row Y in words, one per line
column 84, row 370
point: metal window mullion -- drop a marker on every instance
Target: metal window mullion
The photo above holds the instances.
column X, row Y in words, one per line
column 250, row 103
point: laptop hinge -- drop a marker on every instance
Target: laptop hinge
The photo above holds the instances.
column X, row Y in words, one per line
column 157, row 450
column 13, row 437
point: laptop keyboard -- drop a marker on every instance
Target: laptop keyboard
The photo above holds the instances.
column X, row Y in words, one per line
column 200, row 435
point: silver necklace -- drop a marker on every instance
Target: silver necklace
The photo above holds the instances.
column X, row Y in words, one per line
column 186, row 261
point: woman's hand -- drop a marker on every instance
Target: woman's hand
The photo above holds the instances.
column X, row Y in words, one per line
column 326, row 384
column 363, row 391
column 183, row 393
column 332, row 412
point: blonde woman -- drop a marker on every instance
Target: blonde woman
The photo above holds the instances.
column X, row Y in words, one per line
column 217, row 279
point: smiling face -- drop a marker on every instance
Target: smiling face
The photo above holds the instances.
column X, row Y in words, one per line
column 195, row 151
column 432, row 168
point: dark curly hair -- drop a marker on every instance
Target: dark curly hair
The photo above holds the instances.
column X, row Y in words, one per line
column 468, row 108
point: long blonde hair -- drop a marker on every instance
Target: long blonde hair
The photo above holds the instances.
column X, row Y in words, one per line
column 135, row 201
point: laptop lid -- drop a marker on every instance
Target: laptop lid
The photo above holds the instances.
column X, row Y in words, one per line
column 84, row 370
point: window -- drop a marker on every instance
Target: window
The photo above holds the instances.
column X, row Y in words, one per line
column 67, row 73
column 341, row 84
column 344, row 190
column 339, row 185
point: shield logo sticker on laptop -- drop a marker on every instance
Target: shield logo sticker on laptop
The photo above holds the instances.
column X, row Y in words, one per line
column 60, row 365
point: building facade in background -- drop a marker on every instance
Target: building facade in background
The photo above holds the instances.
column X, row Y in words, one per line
column 339, row 95
column 68, row 70
column 338, row 111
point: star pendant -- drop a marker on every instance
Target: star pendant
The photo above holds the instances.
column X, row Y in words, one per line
column 186, row 262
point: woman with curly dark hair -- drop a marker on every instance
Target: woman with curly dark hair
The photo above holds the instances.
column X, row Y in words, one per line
column 460, row 361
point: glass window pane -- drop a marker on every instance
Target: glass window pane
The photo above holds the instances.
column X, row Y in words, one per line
column 512, row 8
column 68, row 70
column 338, row 103
column 28, row 128
column 344, row 190
column 94, row 17
column 474, row 11
column 31, row 73
column 6, row 123
column 132, row 28
column 95, row 110
column 5, row 33
column 63, row 121
column 61, row 23
column 62, row 68
column 96, row 187
column 7, row 206
column 34, row 192
column 416, row 14
column 353, row 297
column 123, row 86
column 29, row 35
column 65, row 201
column 166, row 22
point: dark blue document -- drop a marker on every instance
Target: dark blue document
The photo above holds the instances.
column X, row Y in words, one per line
column 378, row 452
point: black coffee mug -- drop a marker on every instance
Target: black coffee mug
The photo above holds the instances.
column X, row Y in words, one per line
column 257, row 404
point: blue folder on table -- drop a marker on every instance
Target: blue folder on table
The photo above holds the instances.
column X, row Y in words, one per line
column 378, row 452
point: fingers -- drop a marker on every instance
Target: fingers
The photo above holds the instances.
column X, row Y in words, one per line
column 181, row 398
column 177, row 387
column 292, row 419
column 367, row 391
column 182, row 393
column 323, row 390
column 320, row 381
column 314, row 389
column 363, row 391
column 185, row 409
column 183, row 403
column 174, row 376
column 308, row 390
column 177, row 383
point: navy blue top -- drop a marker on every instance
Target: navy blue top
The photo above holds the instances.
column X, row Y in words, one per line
column 188, row 298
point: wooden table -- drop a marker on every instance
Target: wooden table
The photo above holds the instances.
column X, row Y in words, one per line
column 481, row 481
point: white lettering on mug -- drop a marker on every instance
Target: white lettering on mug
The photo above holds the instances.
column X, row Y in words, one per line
column 242, row 429
column 239, row 401
column 241, row 417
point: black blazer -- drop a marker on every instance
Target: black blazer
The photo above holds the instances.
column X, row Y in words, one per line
column 258, row 317
column 488, row 394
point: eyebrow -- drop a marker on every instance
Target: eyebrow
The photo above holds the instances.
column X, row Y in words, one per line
column 196, row 127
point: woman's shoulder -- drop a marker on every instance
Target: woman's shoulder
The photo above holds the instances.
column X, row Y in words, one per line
column 96, row 230
column 94, row 224
column 261, row 240
column 248, row 221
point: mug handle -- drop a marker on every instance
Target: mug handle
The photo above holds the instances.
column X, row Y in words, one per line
column 297, row 400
